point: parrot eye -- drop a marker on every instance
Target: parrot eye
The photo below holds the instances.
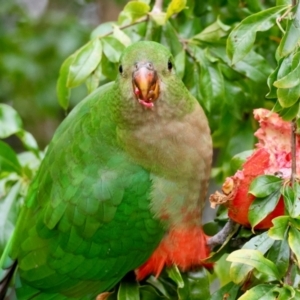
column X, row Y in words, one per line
column 170, row 65
column 120, row 69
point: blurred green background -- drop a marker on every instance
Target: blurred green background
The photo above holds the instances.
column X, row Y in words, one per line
column 36, row 37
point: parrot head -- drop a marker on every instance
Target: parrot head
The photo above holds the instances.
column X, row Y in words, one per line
column 144, row 71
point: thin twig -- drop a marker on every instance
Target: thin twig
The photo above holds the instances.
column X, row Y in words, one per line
column 141, row 20
column 222, row 235
column 288, row 277
column 157, row 8
column 293, row 152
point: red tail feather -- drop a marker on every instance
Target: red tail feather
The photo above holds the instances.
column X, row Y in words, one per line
column 184, row 247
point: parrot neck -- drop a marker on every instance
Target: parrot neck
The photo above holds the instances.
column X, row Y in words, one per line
column 177, row 152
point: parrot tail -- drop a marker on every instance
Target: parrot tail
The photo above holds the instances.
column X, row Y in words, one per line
column 185, row 247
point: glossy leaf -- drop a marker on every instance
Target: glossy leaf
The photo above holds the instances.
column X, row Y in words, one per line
column 10, row 121
column 294, row 242
column 62, row 90
column 92, row 82
column 242, row 37
column 180, row 63
column 281, row 224
column 8, row 159
column 291, row 79
column 211, row 82
column 133, row 11
column 102, row 30
column 286, row 293
column 196, row 286
column 265, row 185
column 175, row 275
column 247, row 66
column 85, row 61
column 175, row 7
column 279, row 253
column 121, row 36
column 255, row 259
column 8, row 214
column 290, row 40
column 213, row 33
column 239, row 271
column 261, row 292
column 239, row 159
column 128, row 290
column 228, row 292
column 112, row 48
column 262, row 207
column 28, row 140
column 148, row 292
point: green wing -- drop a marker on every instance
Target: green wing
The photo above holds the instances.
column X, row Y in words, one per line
column 87, row 220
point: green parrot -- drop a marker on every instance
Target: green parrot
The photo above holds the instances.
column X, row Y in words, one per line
column 121, row 187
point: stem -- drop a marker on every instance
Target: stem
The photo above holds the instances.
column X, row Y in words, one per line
column 293, row 151
column 288, row 277
column 141, row 20
column 222, row 235
column 157, row 8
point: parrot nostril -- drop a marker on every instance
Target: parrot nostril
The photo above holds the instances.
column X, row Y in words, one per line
column 150, row 66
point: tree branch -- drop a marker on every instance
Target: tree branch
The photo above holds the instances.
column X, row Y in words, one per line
column 221, row 236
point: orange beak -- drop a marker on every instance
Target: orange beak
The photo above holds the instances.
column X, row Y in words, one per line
column 145, row 84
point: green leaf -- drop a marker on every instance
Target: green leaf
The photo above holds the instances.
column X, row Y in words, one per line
column 255, row 259
column 211, row 83
column 196, row 286
column 294, row 242
column 149, row 293
column 175, row 275
column 289, row 198
column 238, row 271
column 288, row 90
column 112, row 48
column 247, row 67
column 85, row 61
column 286, row 293
column 212, row 33
column 133, row 11
column 279, row 253
column 288, row 97
column 93, row 80
column 264, row 185
column 63, row 92
column 175, row 7
column 261, row 292
column 231, row 290
column 160, row 18
column 262, row 207
column 102, row 30
column 158, row 285
column 289, row 113
column 180, row 63
column 28, row 141
column 277, row 232
column 121, row 36
column 239, row 159
column 8, row 214
column 291, row 79
column 8, row 159
column 10, row 121
column 241, row 39
column 290, row 40
column 128, row 290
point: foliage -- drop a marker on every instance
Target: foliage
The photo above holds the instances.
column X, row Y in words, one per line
column 230, row 54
